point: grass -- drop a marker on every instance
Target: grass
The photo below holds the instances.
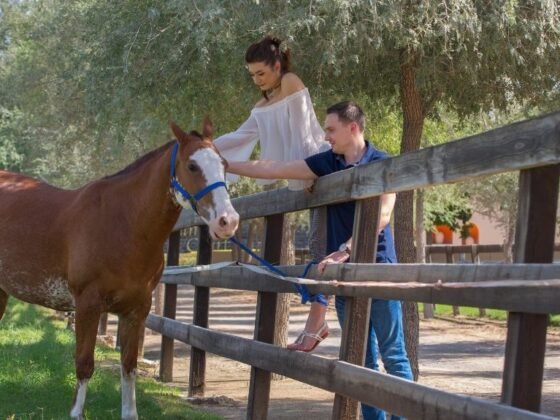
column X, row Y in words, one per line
column 37, row 377
column 494, row 314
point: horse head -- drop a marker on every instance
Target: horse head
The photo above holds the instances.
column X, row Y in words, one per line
column 198, row 180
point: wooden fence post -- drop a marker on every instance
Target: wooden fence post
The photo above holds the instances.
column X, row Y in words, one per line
column 357, row 309
column 428, row 307
column 534, row 243
column 103, row 321
column 449, row 259
column 197, row 371
column 265, row 322
column 475, row 259
column 169, row 310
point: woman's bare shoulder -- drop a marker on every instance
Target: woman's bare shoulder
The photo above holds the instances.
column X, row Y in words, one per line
column 291, row 83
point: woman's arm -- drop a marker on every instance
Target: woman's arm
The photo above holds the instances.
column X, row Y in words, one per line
column 270, row 169
column 231, row 143
column 306, row 136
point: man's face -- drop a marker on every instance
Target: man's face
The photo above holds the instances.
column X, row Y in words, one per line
column 337, row 133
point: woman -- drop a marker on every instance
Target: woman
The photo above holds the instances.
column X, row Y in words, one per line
column 285, row 123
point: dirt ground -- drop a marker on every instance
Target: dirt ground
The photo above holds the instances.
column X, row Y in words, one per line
column 461, row 356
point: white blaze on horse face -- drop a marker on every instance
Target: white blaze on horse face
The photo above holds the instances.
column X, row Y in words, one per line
column 223, row 219
column 128, row 395
column 78, row 408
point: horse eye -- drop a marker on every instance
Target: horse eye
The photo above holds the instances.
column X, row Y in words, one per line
column 192, row 167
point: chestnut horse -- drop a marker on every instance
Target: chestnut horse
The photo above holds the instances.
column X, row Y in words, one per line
column 100, row 248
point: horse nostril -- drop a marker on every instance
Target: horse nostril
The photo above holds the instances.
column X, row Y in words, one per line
column 223, row 221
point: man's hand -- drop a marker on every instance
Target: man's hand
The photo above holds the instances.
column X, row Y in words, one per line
column 337, row 257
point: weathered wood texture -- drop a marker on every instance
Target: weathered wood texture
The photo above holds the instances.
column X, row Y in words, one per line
column 265, row 322
column 357, row 309
column 388, row 392
column 398, row 273
column 518, row 146
column 535, row 296
column 197, row 370
column 526, row 339
column 169, row 310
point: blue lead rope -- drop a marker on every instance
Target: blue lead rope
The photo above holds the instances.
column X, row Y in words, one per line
column 301, row 289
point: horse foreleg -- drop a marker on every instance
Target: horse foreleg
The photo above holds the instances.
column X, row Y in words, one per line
column 131, row 327
column 3, row 303
column 86, row 320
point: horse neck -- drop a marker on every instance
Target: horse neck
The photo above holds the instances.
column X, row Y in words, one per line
column 150, row 208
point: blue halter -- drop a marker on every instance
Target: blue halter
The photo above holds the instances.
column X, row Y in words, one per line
column 176, row 185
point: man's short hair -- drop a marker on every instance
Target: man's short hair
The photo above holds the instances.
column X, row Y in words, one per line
column 349, row 111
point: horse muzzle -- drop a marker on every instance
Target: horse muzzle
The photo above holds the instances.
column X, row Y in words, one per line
column 225, row 225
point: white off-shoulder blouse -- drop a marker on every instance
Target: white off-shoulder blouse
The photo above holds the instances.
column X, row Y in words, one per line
column 287, row 130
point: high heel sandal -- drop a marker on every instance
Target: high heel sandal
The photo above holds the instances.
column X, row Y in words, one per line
column 319, row 336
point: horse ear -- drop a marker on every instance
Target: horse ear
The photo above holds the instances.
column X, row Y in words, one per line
column 179, row 134
column 207, row 128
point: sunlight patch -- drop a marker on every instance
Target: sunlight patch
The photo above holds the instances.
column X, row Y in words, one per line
column 64, row 337
column 20, row 336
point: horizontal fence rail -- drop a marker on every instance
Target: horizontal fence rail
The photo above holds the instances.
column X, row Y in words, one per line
column 388, row 392
column 534, row 296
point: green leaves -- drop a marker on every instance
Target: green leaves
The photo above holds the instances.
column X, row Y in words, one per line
column 103, row 78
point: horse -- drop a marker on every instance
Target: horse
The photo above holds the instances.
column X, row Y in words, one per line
column 99, row 248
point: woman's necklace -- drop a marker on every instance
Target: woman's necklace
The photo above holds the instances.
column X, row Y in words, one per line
column 273, row 91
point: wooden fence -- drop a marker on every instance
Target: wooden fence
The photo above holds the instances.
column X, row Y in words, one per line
column 529, row 289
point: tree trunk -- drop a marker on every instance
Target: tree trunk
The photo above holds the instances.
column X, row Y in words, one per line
column 413, row 122
column 287, row 257
column 508, row 242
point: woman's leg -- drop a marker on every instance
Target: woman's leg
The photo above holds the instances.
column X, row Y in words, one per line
column 314, row 326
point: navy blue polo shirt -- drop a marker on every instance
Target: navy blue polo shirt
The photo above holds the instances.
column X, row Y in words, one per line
column 340, row 217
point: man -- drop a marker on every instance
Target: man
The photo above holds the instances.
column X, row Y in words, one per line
column 344, row 130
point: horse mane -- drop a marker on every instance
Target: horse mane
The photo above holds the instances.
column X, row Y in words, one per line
column 141, row 160
column 147, row 157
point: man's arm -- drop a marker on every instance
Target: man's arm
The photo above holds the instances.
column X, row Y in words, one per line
column 270, row 169
column 387, row 206
column 338, row 257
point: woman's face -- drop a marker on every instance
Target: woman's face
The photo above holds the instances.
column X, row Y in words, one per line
column 264, row 76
